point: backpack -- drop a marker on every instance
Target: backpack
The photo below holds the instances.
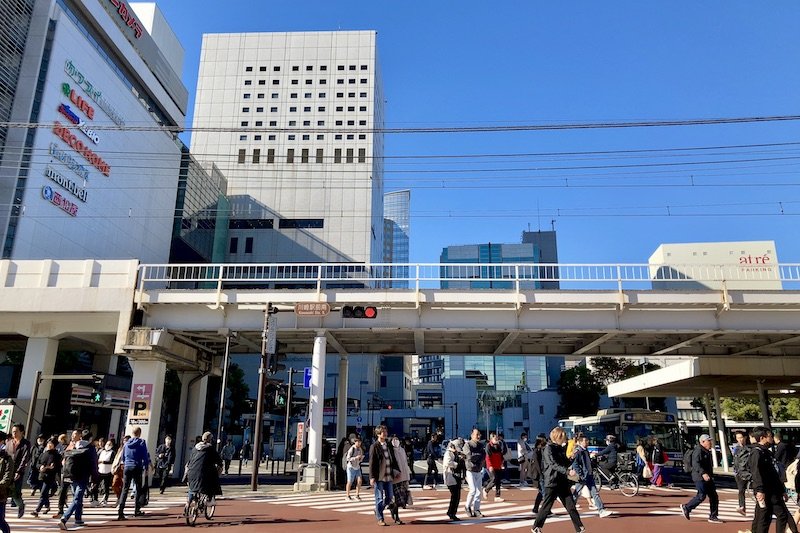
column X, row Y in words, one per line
column 741, row 462
column 76, row 464
column 687, row 460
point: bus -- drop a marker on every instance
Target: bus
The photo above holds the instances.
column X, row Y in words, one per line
column 789, row 431
column 630, row 425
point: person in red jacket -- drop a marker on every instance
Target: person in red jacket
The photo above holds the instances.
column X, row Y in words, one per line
column 494, row 464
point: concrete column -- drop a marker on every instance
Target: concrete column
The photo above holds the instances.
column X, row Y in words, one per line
column 147, row 392
column 341, row 400
column 316, row 399
column 723, row 438
column 40, row 354
column 113, row 425
column 707, row 403
column 191, row 413
column 763, row 401
column 105, row 364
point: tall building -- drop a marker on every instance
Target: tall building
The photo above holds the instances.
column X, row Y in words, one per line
column 71, row 189
column 294, row 121
column 397, row 233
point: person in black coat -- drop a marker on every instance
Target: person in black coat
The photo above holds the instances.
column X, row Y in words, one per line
column 536, row 473
column 48, row 471
column 165, row 458
column 556, row 475
column 767, row 486
column 703, row 477
column 202, row 470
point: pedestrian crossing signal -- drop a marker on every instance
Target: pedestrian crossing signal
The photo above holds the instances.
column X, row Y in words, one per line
column 97, row 396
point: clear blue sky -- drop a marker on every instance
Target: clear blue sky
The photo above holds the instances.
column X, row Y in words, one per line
column 501, row 63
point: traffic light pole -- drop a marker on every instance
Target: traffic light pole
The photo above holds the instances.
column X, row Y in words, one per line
column 52, row 377
column 288, row 414
column 262, row 380
column 224, row 387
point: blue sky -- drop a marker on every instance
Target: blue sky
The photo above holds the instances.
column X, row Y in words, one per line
column 481, row 63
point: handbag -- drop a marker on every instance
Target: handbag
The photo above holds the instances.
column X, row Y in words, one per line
column 647, row 472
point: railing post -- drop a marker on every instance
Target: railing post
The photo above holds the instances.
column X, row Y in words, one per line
column 139, row 305
column 516, row 279
column 619, row 278
column 319, row 280
column 219, row 285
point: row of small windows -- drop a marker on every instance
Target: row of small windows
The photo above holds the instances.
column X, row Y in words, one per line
column 283, row 223
column 322, row 81
column 304, row 156
column 309, row 68
column 305, row 137
column 306, row 109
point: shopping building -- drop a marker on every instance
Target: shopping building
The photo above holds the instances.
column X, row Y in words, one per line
column 294, row 121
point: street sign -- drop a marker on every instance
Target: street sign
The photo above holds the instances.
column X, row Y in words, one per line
column 312, row 309
column 141, row 395
column 307, row 378
column 272, row 334
column 5, row 418
column 301, row 437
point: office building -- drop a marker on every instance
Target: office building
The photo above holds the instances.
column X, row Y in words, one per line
column 75, row 188
column 297, row 121
column 396, row 235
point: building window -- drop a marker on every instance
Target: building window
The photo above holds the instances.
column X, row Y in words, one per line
column 309, row 68
column 245, row 110
column 320, row 137
column 339, row 95
column 321, row 95
column 291, row 137
column 248, row 245
column 270, row 137
column 290, row 155
column 276, row 82
column 234, row 245
column 301, row 223
column 306, row 137
column 293, row 95
column 320, row 123
column 351, row 122
column 340, row 67
column 337, row 155
column 351, row 81
column 363, row 67
column 259, row 110
column 351, row 95
column 260, row 95
column 362, row 122
column 321, row 109
column 362, row 108
column 242, row 137
column 319, row 155
column 307, row 109
column 308, row 82
column 256, row 155
column 349, row 155
column 383, row 381
column 293, row 123
column 262, row 82
column 307, row 95
column 273, row 123
column 340, row 82
column 350, row 137
column 304, row 155
column 306, row 123
column 262, row 69
column 270, row 155
column 362, row 155
column 248, row 82
column 259, row 122
column 251, row 223
column 274, row 95
column 351, row 108
column 324, row 67
column 361, row 137
column 257, row 137
column 362, row 95
column 363, row 80
column 273, row 109
column 242, row 156
column 295, row 69
column 294, row 82
column 248, row 69
column 352, row 67
column 338, row 122
column 244, row 123
column 337, row 137
column 276, row 69
column 323, row 82
column 292, row 110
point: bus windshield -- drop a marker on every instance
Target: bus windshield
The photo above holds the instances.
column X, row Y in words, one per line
column 666, row 433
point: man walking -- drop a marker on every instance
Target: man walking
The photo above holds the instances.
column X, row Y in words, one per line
column 494, row 465
column 80, row 465
column 475, row 454
column 382, row 464
column 524, row 456
column 767, row 485
column 165, row 458
column 741, row 469
column 432, row 455
column 582, row 464
column 19, row 449
column 227, row 453
column 135, row 460
column 702, row 475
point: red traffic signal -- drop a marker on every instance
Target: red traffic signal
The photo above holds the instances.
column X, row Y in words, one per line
column 358, row 311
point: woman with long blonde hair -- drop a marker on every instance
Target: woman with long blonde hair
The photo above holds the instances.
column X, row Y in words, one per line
column 557, row 475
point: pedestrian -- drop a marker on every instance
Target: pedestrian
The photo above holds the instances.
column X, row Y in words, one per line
column 557, row 478
column 80, row 466
column 702, row 475
column 537, row 474
column 135, row 460
column 641, row 459
column 19, row 448
column 659, row 459
column 339, row 463
column 227, row 453
column 382, row 468
column 741, row 469
column 455, row 469
column 118, row 468
column 165, row 458
column 524, row 456
column 768, row 486
column 494, row 464
column 400, row 489
column 607, row 459
column 105, row 462
column 6, row 481
column 33, row 474
column 431, row 455
column 582, row 465
column 48, row 470
column 246, row 451
column 352, row 461
column 66, row 480
column 475, row 457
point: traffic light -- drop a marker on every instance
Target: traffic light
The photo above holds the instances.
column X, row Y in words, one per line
column 280, row 397
column 97, row 395
column 226, row 409
column 359, row 311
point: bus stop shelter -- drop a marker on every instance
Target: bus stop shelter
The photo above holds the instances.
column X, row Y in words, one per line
column 756, row 376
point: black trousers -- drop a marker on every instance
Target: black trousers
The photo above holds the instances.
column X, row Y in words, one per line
column 741, row 484
column 455, row 497
column 130, row 475
column 62, row 495
column 163, row 477
column 562, row 492
column 763, row 518
column 495, row 476
column 432, row 470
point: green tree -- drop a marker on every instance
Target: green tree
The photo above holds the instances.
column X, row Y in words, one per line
column 580, row 392
column 609, row 370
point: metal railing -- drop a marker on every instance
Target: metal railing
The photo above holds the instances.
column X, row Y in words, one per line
column 516, row 276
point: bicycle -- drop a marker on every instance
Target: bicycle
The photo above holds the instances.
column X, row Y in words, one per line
column 624, row 480
column 199, row 503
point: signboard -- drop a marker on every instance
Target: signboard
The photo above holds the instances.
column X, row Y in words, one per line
column 312, row 309
column 649, row 417
column 301, row 437
column 307, row 378
column 141, row 397
column 272, row 334
column 5, row 418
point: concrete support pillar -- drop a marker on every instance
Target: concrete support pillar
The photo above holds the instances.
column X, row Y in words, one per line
column 114, row 429
column 763, row 401
column 316, row 399
column 40, row 354
column 147, row 393
column 721, row 431
column 707, row 403
column 107, row 364
column 341, row 400
column 191, row 412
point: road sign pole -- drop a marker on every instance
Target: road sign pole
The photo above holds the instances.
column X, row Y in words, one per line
column 288, row 415
column 223, row 388
column 259, row 422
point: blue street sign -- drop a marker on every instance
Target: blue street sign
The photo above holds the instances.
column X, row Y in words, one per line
column 307, row 378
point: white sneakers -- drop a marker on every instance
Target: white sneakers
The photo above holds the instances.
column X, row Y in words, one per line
column 605, row 512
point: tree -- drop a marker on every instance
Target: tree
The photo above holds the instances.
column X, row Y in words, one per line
column 609, row 370
column 580, row 392
column 749, row 410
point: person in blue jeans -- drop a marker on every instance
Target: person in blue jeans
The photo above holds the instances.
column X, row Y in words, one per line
column 582, row 464
column 80, row 464
column 136, row 460
column 702, row 475
column 382, row 467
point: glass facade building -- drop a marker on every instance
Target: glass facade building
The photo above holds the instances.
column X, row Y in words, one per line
column 396, row 233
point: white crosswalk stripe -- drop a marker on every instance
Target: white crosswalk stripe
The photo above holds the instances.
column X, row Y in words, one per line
column 727, row 512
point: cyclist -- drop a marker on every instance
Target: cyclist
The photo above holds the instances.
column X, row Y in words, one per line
column 609, row 466
column 203, row 468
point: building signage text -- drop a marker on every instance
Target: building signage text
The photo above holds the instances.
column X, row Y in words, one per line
column 57, row 200
column 65, row 110
column 755, row 263
column 126, row 14
column 78, row 192
column 68, row 160
column 94, row 93
column 68, row 137
column 78, row 100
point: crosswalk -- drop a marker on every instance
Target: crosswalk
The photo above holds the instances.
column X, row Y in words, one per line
column 727, row 512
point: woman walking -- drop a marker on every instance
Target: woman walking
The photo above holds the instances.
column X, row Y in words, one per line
column 557, row 474
column 382, row 467
column 536, row 473
column 402, row 494
column 48, row 471
column 352, row 459
column 454, row 471
column 105, row 462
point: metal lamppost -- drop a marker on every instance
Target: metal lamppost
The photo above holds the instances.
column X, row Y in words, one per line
column 225, row 364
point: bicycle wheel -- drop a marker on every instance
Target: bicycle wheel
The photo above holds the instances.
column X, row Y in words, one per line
column 628, row 484
column 210, row 508
column 598, row 479
column 191, row 513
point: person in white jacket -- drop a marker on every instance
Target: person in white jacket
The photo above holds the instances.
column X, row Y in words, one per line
column 524, row 457
column 402, row 493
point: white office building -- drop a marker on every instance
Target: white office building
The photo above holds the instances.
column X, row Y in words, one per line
column 82, row 185
column 294, row 121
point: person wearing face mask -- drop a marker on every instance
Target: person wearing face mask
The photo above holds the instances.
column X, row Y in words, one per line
column 48, row 470
column 165, row 458
column 402, row 494
column 105, row 462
